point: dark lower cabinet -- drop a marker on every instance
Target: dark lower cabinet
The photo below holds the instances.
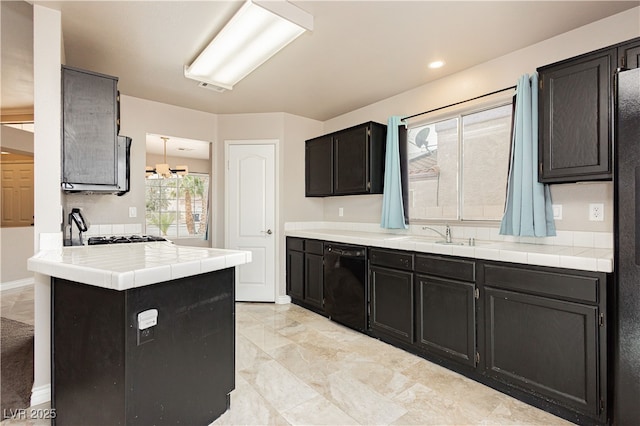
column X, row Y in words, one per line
column 305, row 275
column 295, row 274
column 446, row 318
column 545, row 333
column 313, row 279
column 545, row 346
column 392, row 303
column 537, row 333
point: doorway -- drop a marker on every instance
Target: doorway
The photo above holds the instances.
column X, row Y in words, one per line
column 251, row 215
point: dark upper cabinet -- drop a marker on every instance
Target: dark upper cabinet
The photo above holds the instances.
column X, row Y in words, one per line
column 629, row 54
column 94, row 157
column 319, row 167
column 576, row 99
column 346, row 162
column 575, row 123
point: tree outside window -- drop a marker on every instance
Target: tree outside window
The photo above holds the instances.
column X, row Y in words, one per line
column 178, row 207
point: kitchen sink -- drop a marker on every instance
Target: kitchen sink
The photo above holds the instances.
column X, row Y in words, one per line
column 431, row 240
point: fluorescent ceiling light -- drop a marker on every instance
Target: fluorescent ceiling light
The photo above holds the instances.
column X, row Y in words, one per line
column 259, row 30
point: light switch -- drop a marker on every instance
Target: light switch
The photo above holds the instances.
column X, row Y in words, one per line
column 557, row 211
column 133, row 212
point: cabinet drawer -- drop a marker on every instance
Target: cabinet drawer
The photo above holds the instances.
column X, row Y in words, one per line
column 313, row 246
column 446, row 267
column 391, row 259
column 566, row 285
column 295, row 244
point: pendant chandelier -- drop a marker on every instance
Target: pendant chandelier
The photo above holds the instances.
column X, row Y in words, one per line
column 162, row 170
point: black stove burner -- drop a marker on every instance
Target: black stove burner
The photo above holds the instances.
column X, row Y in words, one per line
column 123, row 239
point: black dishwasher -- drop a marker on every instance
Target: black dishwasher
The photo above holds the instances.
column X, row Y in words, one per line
column 345, row 284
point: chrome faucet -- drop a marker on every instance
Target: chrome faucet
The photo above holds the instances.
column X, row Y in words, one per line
column 446, row 235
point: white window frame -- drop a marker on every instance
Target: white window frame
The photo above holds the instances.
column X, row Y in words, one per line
column 492, row 101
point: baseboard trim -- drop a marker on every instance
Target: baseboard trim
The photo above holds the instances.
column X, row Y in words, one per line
column 41, row 394
column 16, row 284
column 283, row 300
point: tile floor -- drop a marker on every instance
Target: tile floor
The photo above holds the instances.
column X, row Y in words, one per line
column 296, row 367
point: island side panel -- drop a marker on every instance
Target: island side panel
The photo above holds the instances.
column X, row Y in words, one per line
column 88, row 354
column 182, row 369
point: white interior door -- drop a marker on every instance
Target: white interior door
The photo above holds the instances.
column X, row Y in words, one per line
column 250, row 216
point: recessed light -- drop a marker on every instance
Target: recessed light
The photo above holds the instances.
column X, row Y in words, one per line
column 436, row 64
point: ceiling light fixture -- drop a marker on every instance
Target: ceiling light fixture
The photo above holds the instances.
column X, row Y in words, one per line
column 436, row 64
column 163, row 170
column 259, row 30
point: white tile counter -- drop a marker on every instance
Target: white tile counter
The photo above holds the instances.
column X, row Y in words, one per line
column 125, row 266
column 570, row 257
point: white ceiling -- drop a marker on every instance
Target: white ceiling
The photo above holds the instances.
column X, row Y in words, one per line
column 360, row 52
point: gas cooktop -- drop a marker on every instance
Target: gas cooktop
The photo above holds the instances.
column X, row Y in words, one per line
column 118, row 239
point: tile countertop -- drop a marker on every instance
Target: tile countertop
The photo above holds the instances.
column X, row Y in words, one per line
column 570, row 257
column 125, row 266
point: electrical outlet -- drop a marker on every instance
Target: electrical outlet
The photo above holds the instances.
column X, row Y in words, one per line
column 596, row 212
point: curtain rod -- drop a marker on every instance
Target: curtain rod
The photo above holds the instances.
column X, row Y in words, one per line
column 458, row 103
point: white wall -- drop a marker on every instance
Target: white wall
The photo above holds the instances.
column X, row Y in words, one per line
column 48, row 55
column 16, row 247
column 485, row 78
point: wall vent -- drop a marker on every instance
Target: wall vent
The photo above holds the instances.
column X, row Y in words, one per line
column 210, row 86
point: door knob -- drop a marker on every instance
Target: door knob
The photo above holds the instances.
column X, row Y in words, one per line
column 268, row 232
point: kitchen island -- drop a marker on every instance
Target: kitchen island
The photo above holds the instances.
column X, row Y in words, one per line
column 141, row 333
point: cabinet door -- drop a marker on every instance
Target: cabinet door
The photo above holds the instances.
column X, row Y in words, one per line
column 89, row 122
column 575, row 119
column 313, row 280
column 392, row 303
column 543, row 345
column 446, row 323
column 629, row 55
column 295, row 274
column 319, row 167
column 351, row 161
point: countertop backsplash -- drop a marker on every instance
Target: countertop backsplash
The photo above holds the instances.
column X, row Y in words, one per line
column 602, row 240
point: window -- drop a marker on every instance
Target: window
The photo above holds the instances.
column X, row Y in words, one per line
column 177, row 207
column 458, row 164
